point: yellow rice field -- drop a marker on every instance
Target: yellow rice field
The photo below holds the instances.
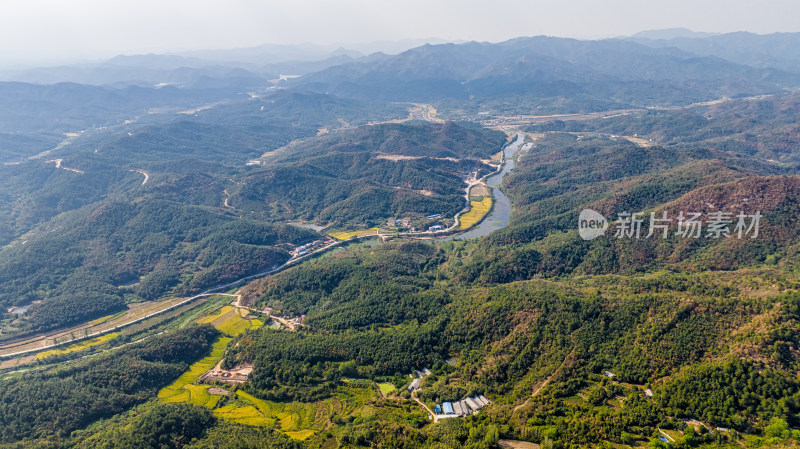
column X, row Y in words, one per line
column 78, row 346
column 300, row 434
column 478, row 210
column 235, row 325
column 248, row 415
column 197, row 369
column 295, row 419
column 346, row 235
column 211, row 318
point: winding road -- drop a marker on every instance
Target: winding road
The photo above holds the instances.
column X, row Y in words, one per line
column 146, row 175
column 58, row 165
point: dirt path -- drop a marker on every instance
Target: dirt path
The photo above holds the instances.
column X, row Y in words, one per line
column 227, row 197
column 515, row 444
column 58, row 165
column 146, row 175
column 238, row 303
column 414, row 397
column 666, row 435
column 546, row 381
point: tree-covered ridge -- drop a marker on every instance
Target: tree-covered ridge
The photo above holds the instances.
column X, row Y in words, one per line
column 577, row 343
column 544, row 74
column 551, row 186
column 478, row 315
column 355, row 188
column 659, row 330
column 158, row 247
column 228, row 134
column 760, row 128
column 303, row 111
column 667, row 315
column 461, row 140
column 342, row 179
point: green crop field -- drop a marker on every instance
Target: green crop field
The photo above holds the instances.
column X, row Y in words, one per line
column 386, row 388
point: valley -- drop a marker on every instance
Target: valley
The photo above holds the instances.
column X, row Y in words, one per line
column 387, row 251
column 141, row 311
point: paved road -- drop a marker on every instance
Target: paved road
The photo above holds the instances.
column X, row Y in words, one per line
column 210, row 292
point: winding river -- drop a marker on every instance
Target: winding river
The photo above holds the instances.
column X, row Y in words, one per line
column 500, row 215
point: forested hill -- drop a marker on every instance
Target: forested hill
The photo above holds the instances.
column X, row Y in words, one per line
column 546, row 74
column 370, row 173
column 577, row 342
column 627, row 339
column 462, row 140
column 168, row 248
column 70, row 107
column 776, row 50
column 171, row 209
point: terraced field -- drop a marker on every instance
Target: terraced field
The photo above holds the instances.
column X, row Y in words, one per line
column 247, row 415
column 211, row 318
column 235, row 325
column 104, row 319
column 182, row 391
column 297, row 420
column 231, row 321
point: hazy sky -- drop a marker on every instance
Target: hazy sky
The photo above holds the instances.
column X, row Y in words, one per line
column 67, row 29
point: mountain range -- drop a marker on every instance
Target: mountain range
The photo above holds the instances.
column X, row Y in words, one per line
column 200, row 251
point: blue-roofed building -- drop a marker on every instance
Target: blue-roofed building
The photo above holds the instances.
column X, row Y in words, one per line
column 438, row 409
column 448, row 408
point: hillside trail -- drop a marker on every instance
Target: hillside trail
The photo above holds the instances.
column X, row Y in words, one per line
column 546, row 381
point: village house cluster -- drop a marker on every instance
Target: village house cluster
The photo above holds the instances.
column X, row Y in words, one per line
column 461, row 408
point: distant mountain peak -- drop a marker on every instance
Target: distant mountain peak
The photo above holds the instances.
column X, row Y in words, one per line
column 671, row 33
